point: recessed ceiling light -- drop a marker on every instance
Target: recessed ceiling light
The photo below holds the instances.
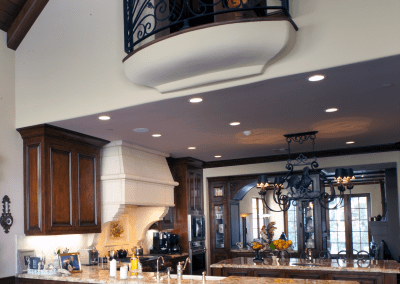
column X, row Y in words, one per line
column 234, row 123
column 191, row 148
column 195, row 100
column 218, row 156
column 387, row 85
column 362, row 176
column 350, row 142
column 316, row 78
column 140, row 130
column 156, row 135
column 333, row 109
column 104, row 117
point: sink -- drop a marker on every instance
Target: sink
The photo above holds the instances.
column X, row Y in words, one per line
column 199, row 277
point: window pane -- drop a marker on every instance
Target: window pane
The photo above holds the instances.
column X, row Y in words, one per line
column 356, row 237
column 364, row 225
column 355, row 215
column 364, row 237
column 356, row 246
column 334, row 248
column 341, row 226
column 292, row 226
column 355, row 226
column 342, row 237
column 363, row 214
column 334, row 237
column 354, row 203
column 362, row 202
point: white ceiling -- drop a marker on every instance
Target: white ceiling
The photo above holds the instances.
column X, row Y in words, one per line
column 368, row 113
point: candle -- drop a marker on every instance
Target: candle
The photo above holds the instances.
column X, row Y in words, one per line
column 123, row 272
column 113, row 268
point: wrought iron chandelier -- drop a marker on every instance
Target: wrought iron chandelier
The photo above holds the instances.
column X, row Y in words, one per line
column 300, row 189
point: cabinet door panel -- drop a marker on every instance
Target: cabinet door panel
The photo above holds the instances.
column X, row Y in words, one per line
column 362, row 279
column 195, row 191
column 87, row 209
column 61, row 188
column 33, row 188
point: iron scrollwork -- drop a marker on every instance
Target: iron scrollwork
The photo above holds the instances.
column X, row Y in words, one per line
column 6, row 220
column 144, row 18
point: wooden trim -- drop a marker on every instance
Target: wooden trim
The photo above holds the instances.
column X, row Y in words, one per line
column 24, row 21
column 61, row 133
column 281, row 17
column 8, row 280
column 318, row 154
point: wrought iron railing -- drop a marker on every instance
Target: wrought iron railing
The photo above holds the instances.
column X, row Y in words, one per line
column 145, row 18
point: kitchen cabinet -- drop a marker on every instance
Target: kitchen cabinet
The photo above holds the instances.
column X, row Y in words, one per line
column 61, row 181
column 188, row 198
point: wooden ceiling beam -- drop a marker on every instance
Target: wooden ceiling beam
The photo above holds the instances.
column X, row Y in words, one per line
column 24, row 21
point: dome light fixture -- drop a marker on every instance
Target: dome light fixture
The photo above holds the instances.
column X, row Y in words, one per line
column 332, row 109
column 195, row 100
column 104, row 117
column 316, row 78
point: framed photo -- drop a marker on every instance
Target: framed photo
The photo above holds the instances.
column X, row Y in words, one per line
column 70, row 262
column 23, row 256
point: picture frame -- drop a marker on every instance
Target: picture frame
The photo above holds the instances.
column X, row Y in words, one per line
column 70, row 262
column 23, row 256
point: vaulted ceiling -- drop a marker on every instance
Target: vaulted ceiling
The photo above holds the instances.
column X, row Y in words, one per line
column 17, row 17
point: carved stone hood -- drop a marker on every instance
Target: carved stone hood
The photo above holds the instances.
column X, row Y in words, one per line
column 135, row 177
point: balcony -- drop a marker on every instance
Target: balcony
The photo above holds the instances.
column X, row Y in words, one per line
column 182, row 44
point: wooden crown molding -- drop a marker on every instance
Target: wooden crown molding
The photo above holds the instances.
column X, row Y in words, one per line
column 24, row 21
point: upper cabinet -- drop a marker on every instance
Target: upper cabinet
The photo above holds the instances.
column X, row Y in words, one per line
column 61, row 181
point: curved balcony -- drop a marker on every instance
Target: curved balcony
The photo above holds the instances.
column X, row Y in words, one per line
column 183, row 44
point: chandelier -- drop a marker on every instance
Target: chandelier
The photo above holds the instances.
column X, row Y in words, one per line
column 300, row 189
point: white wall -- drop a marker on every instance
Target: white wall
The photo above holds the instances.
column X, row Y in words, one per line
column 274, row 167
column 11, row 169
column 69, row 64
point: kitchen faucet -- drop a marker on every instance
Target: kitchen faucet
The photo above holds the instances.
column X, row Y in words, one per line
column 162, row 262
column 179, row 269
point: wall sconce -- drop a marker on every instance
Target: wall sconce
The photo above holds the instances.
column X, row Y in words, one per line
column 6, row 220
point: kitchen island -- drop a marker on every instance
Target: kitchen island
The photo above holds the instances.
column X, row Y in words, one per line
column 95, row 275
column 377, row 272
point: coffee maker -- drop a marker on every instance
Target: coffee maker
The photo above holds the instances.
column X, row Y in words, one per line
column 165, row 243
column 173, row 241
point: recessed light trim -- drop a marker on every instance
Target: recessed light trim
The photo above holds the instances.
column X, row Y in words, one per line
column 104, row 117
column 140, row 130
column 350, row 142
column 156, row 135
column 234, row 123
column 195, row 100
column 192, row 148
column 316, row 78
column 332, row 109
column 217, row 156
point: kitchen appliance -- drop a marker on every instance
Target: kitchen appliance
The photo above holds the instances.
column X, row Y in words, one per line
column 160, row 243
column 89, row 256
column 173, row 244
column 197, row 255
column 196, row 228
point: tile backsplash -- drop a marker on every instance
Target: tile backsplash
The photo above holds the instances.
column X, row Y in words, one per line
column 48, row 245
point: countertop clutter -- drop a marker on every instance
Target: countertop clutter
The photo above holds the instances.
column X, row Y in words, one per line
column 380, row 266
column 95, row 275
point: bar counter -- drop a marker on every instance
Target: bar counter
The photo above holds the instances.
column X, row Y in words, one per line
column 95, row 275
column 384, row 271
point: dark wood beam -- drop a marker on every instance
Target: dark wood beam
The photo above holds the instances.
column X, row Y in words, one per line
column 24, row 21
column 318, row 154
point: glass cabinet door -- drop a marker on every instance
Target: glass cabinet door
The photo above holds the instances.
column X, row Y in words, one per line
column 219, row 226
column 309, row 223
column 195, row 192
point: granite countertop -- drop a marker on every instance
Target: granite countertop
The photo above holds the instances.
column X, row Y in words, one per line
column 93, row 274
column 381, row 266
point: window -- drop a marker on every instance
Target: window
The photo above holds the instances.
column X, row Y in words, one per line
column 257, row 210
column 291, row 231
column 358, row 207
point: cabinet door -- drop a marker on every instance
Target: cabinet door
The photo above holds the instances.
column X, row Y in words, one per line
column 61, row 186
column 217, row 191
column 195, row 191
column 87, row 198
column 33, row 188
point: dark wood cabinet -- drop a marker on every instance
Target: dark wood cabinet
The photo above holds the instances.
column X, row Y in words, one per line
column 61, row 181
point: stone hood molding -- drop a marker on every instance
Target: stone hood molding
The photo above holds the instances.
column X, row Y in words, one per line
column 135, row 177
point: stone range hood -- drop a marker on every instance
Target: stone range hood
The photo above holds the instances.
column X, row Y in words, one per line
column 134, row 178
